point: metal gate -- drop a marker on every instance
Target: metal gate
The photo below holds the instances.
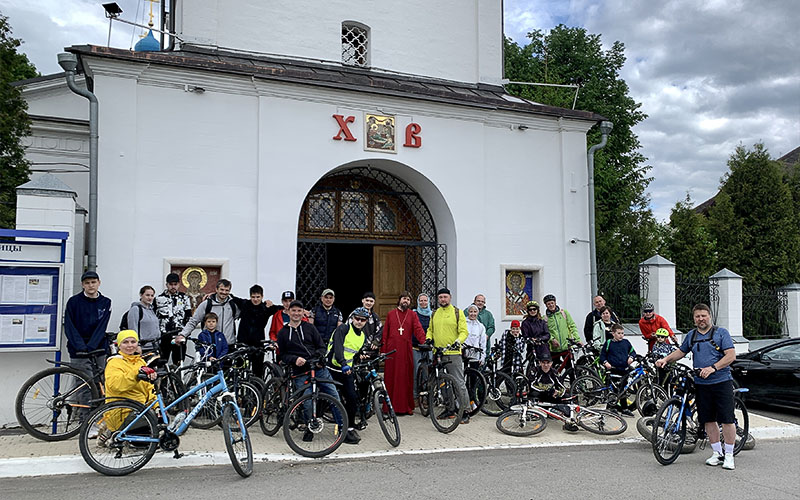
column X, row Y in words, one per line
column 369, row 206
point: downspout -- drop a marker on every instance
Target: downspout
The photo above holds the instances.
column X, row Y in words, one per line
column 605, row 129
column 69, row 63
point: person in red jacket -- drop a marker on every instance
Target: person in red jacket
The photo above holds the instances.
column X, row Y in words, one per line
column 651, row 322
column 281, row 318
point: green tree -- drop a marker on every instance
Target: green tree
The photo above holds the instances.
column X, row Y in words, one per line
column 754, row 220
column 627, row 231
column 689, row 244
column 14, row 122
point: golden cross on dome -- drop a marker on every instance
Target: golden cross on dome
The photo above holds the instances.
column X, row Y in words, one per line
column 151, row 12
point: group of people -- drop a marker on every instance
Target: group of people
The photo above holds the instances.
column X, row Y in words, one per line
column 324, row 336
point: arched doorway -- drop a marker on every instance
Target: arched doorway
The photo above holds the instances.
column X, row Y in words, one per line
column 364, row 229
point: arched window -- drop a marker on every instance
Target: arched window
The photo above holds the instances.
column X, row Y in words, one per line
column 355, row 44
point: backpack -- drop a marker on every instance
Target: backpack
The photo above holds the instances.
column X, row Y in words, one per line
column 123, row 322
column 693, row 342
column 209, row 305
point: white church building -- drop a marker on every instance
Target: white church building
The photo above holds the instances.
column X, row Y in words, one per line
column 303, row 145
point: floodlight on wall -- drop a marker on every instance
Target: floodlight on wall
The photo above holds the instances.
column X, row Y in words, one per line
column 194, row 89
column 112, row 9
column 522, row 127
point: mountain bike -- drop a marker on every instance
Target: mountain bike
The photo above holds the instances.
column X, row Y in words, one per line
column 500, row 388
column 131, row 432
column 445, row 402
column 375, row 400
column 530, row 417
column 676, row 421
column 315, row 423
column 475, row 381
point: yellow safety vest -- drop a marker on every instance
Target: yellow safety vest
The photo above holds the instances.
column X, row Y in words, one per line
column 352, row 344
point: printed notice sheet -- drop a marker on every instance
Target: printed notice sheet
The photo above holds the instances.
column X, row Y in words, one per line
column 37, row 328
column 14, row 289
column 39, row 290
column 12, row 329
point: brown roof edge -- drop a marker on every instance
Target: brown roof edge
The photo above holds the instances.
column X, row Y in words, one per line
column 322, row 75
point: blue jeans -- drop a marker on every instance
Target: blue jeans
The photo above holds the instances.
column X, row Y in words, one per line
column 327, row 388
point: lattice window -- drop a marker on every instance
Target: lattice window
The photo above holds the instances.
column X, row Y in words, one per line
column 321, row 211
column 354, row 212
column 355, row 44
column 385, row 219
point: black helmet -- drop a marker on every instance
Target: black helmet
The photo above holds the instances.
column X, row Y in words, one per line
column 547, row 298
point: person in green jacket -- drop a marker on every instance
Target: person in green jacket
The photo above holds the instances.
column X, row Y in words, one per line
column 486, row 318
column 449, row 326
column 561, row 326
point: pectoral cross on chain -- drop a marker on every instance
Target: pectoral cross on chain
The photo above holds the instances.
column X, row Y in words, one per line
column 400, row 330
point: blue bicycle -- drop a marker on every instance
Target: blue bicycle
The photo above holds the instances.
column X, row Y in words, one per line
column 676, row 422
column 130, row 432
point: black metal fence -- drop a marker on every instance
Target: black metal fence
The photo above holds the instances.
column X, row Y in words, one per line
column 623, row 289
column 764, row 313
column 690, row 291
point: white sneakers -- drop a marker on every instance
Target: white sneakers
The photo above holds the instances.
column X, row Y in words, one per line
column 728, row 463
column 717, row 459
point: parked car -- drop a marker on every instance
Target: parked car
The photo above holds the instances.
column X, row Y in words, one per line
column 772, row 374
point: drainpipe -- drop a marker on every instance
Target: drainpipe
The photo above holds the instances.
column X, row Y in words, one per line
column 69, row 63
column 605, row 129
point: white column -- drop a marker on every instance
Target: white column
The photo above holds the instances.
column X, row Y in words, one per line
column 793, row 311
column 661, row 286
column 729, row 315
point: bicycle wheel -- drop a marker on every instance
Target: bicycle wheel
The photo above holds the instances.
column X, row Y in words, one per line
column 237, row 440
column 422, row 390
column 210, row 414
column 272, row 407
column 307, row 432
column 603, row 422
column 500, row 390
column 446, row 403
column 386, row 417
column 51, row 404
column 248, row 397
column 649, row 399
column 742, row 420
column 476, row 390
column 669, row 432
column 588, row 391
column 512, row 422
column 107, row 453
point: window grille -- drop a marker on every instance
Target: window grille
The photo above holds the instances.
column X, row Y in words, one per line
column 355, row 45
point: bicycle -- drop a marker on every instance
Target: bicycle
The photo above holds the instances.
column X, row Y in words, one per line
column 444, row 402
column 530, row 417
column 130, row 432
column 376, row 399
column 676, row 422
column 315, row 423
column 475, row 382
column 500, row 388
column 590, row 390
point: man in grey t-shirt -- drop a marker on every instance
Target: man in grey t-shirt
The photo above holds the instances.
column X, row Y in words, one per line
column 712, row 351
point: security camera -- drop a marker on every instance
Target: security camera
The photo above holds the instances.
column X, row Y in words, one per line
column 573, row 240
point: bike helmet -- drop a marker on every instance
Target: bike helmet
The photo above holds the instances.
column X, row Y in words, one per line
column 648, row 307
column 361, row 312
column 532, row 303
column 547, row 298
column 662, row 332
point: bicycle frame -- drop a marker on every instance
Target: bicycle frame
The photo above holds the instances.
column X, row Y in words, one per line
column 218, row 385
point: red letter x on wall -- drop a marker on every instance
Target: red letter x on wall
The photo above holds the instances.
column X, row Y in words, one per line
column 342, row 122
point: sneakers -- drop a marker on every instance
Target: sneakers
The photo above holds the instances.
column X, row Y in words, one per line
column 352, row 437
column 570, row 427
column 728, row 462
column 465, row 420
column 625, row 412
column 308, row 436
column 446, row 414
column 716, row 459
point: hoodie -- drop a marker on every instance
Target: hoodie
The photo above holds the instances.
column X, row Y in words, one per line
column 226, row 312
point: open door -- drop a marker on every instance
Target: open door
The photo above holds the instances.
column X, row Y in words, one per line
column 388, row 277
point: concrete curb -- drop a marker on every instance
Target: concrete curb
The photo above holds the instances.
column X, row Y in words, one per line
column 74, row 464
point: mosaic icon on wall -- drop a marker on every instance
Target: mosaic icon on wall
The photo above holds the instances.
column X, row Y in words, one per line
column 519, row 290
column 379, row 133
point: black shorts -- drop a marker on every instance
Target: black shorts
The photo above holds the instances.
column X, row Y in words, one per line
column 715, row 402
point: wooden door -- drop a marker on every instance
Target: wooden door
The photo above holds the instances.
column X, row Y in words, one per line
column 388, row 277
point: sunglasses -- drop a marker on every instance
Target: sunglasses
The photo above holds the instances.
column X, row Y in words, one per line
column 356, row 318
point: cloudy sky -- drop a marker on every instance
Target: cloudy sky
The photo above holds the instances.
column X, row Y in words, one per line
column 710, row 74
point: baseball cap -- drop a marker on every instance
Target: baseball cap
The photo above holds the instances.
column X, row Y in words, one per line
column 287, row 295
column 173, row 278
column 89, row 275
column 327, row 291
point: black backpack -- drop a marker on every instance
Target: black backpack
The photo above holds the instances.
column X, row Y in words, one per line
column 209, row 305
column 123, row 323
